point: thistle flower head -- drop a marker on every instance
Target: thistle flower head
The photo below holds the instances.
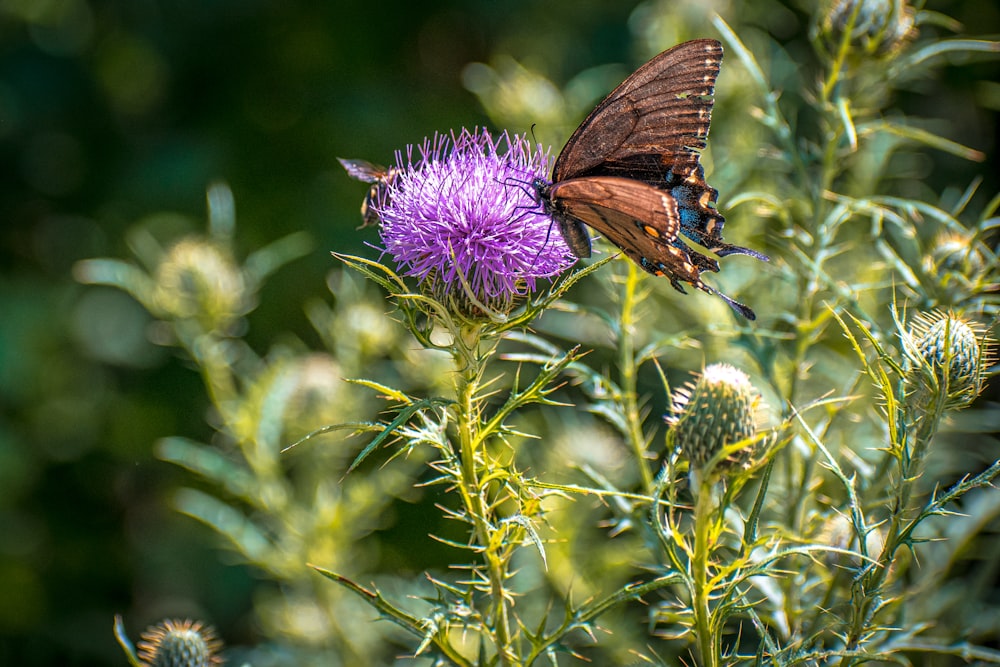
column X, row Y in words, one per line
column 945, row 359
column 720, row 408
column 175, row 643
column 462, row 219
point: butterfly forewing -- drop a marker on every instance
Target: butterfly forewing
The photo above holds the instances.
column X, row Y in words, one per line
column 662, row 112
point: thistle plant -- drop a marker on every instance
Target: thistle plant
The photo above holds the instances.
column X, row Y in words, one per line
column 173, row 643
column 776, row 516
column 716, row 431
column 461, row 221
column 866, row 464
column 274, row 511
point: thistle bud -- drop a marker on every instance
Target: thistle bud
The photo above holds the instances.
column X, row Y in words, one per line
column 879, row 27
column 318, row 396
column 953, row 252
column 175, row 643
column 946, row 361
column 197, row 279
column 718, row 409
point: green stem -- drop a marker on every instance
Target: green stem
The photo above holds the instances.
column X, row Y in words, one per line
column 843, row 48
column 628, row 377
column 469, row 424
column 208, row 352
column 925, row 424
column 923, row 421
column 701, row 593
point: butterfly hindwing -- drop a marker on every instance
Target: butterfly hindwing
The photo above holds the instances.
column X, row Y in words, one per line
column 641, row 220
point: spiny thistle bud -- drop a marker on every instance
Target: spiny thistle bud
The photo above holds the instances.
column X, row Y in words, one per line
column 954, row 252
column 175, row 643
column 718, row 409
column 879, row 27
column 199, row 279
column 837, row 532
column 946, row 360
column 318, row 395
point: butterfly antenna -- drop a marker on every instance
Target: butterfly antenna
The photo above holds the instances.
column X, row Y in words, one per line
column 520, row 185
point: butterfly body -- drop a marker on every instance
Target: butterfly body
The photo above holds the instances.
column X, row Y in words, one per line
column 573, row 231
column 631, row 171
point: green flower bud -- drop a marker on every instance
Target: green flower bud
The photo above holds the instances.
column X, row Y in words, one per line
column 837, row 532
column 718, row 409
column 879, row 27
column 953, row 252
column 175, row 643
column 318, row 397
column 197, row 279
column 945, row 360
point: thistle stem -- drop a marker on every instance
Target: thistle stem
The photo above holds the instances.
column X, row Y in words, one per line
column 703, row 622
column 628, row 376
column 469, row 426
column 843, row 48
column 922, row 421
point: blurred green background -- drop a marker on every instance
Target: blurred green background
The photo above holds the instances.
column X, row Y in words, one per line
column 111, row 112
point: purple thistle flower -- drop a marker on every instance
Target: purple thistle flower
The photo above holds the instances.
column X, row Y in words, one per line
column 464, row 221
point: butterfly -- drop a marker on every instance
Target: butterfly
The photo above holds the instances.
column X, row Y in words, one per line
column 380, row 177
column 631, row 171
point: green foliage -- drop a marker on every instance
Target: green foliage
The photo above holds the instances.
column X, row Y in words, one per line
column 568, row 527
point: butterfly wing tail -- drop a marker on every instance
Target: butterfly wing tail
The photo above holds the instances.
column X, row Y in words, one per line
column 708, row 264
column 740, row 308
column 723, row 249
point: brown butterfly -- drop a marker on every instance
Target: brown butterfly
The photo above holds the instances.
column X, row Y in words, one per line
column 631, row 171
